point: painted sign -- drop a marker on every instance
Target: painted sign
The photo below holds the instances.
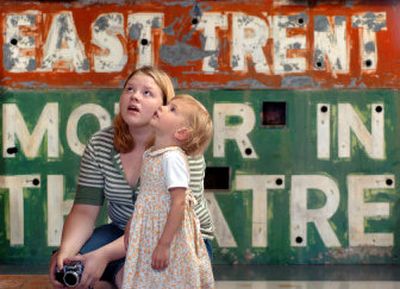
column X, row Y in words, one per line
column 304, row 176
column 203, row 45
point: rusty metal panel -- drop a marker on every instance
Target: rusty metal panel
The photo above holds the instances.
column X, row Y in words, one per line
column 304, row 98
column 209, row 44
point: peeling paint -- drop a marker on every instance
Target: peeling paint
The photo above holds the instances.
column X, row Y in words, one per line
column 373, row 21
column 321, row 24
column 248, row 41
column 340, row 20
column 297, row 81
column 8, row 61
column 135, row 31
column 369, row 46
column 181, row 54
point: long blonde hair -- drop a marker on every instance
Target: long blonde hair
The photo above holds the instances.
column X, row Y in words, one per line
column 123, row 140
column 199, row 124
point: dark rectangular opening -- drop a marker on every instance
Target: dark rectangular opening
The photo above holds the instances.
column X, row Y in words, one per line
column 217, row 178
column 274, row 113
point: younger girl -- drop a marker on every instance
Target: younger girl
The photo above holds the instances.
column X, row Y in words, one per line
column 165, row 248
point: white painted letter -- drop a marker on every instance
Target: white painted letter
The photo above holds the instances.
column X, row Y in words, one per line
column 106, row 30
column 223, row 234
column 19, row 47
column 370, row 23
column 208, row 23
column 57, row 208
column 331, row 44
column 283, row 43
column 250, row 35
column 300, row 215
column 64, row 50
column 72, row 125
column 323, row 131
column 238, row 132
column 14, row 125
column 140, row 27
column 15, row 186
column 259, row 185
column 348, row 120
column 359, row 210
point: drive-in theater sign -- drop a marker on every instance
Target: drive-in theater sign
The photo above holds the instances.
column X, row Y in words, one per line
column 304, row 162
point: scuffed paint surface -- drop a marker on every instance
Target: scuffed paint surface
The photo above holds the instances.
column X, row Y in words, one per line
column 285, row 190
column 181, row 54
column 200, row 44
column 319, row 188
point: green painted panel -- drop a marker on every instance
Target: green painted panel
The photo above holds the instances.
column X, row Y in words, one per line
column 254, row 227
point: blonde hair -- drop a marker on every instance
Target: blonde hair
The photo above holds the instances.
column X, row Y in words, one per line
column 123, row 140
column 200, row 126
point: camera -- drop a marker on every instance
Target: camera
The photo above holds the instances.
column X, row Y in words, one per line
column 70, row 275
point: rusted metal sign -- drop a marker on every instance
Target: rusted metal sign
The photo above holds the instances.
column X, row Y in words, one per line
column 230, row 44
column 300, row 175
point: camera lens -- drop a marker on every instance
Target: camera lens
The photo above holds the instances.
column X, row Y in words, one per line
column 71, row 279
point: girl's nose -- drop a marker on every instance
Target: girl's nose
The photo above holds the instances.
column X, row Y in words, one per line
column 135, row 95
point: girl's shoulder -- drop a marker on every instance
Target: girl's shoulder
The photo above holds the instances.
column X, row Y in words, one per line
column 103, row 137
column 167, row 151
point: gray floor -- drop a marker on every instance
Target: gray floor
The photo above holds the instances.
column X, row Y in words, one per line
column 307, row 285
column 307, row 272
column 278, row 276
column 271, row 272
column 308, row 277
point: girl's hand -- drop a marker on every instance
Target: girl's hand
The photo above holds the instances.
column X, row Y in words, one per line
column 95, row 264
column 160, row 257
column 56, row 262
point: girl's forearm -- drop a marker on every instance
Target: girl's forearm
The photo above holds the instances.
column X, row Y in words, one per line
column 77, row 228
column 114, row 250
column 175, row 217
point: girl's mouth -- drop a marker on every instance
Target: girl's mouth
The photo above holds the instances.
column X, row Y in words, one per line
column 133, row 108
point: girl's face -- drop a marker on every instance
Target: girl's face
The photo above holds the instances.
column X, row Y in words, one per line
column 171, row 117
column 139, row 100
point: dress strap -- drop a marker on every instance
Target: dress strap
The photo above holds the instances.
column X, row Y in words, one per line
column 190, row 199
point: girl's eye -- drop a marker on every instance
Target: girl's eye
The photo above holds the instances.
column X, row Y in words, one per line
column 173, row 109
column 129, row 89
column 147, row 93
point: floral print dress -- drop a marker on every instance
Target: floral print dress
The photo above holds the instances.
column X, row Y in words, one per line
column 189, row 265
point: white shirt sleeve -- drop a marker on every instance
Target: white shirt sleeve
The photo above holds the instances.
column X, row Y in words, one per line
column 176, row 172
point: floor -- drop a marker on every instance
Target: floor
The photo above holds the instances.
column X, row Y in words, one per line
column 250, row 277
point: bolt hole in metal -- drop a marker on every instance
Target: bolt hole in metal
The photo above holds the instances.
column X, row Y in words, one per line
column 12, row 150
column 324, row 108
column 299, row 240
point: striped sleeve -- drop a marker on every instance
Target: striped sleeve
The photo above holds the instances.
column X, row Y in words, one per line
column 91, row 180
column 197, row 168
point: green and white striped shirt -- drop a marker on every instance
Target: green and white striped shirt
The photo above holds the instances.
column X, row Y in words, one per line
column 101, row 178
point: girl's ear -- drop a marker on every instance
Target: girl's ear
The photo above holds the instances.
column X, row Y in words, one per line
column 182, row 134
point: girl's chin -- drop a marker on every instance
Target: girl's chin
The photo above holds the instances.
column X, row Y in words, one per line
column 153, row 124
